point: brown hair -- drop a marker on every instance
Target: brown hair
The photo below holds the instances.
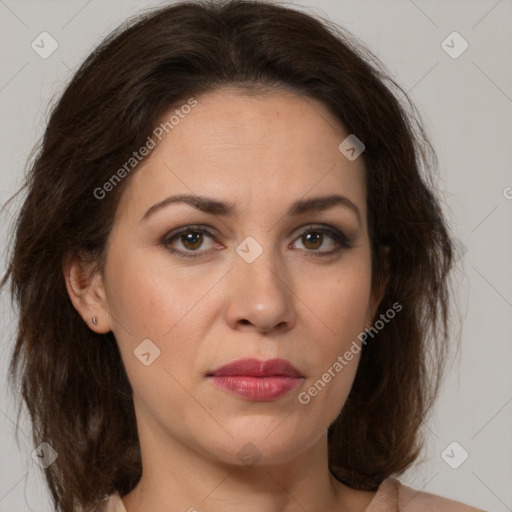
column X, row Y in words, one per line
column 73, row 381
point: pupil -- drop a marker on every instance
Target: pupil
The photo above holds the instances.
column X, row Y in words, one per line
column 193, row 240
column 313, row 238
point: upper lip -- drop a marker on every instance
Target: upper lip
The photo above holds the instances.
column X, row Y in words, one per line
column 257, row 368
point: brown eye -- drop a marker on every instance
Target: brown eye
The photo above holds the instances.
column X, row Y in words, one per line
column 322, row 241
column 312, row 240
column 192, row 240
column 189, row 241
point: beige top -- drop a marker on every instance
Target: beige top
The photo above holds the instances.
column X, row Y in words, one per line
column 391, row 496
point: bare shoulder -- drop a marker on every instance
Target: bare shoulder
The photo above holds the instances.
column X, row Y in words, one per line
column 112, row 503
column 411, row 500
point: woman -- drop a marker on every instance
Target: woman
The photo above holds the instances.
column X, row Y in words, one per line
column 232, row 272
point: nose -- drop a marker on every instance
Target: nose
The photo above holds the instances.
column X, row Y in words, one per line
column 260, row 296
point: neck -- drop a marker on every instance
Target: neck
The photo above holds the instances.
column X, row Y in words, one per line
column 177, row 476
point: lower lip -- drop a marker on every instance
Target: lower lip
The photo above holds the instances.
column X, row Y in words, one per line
column 258, row 389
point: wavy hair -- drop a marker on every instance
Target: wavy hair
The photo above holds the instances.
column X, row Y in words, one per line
column 72, row 380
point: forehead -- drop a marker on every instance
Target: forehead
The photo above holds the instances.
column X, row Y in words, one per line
column 267, row 148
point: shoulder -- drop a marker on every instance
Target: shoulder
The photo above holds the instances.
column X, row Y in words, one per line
column 391, row 496
column 112, row 503
column 412, row 500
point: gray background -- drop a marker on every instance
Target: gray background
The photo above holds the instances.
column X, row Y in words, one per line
column 466, row 104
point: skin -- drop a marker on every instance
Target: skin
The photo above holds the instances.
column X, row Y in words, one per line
column 262, row 154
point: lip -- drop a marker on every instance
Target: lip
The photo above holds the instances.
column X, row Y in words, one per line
column 256, row 368
column 256, row 380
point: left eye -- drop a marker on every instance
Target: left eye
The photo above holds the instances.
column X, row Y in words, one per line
column 313, row 239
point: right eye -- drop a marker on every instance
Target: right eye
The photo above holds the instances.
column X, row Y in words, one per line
column 190, row 238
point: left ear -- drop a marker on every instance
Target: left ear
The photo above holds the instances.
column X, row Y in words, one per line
column 86, row 290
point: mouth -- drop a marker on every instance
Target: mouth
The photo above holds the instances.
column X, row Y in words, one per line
column 260, row 381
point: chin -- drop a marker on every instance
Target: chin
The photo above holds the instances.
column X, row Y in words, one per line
column 262, row 443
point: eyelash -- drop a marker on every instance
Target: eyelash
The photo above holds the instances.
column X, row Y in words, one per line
column 342, row 241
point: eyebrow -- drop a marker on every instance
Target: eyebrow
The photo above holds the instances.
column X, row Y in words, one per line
column 215, row 207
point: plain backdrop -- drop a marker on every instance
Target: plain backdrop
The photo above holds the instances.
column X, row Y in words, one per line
column 466, row 104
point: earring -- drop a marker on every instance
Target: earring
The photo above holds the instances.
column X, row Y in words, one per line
column 94, row 320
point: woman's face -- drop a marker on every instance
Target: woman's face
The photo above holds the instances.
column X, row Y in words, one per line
column 261, row 274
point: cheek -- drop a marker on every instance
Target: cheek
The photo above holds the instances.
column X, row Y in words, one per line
column 149, row 299
column 324, row 395
column 340, row 299
column 343, row 308
column 146, row 295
